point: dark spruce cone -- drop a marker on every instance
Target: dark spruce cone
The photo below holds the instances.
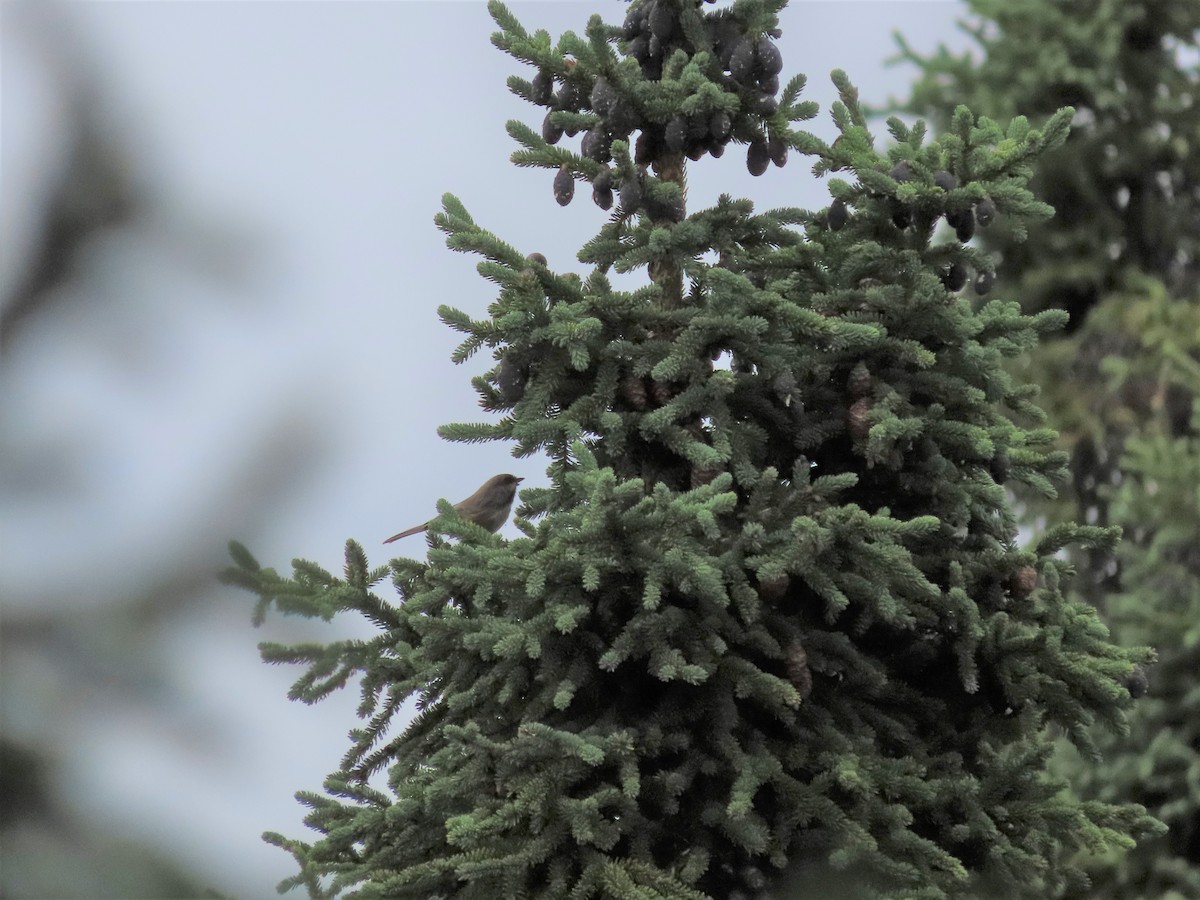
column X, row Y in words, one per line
column 777, row 149
column 543, row 88
column 758, row 157
column 954, row 277
column 984, row 282
column 564, row 186
column 839, row 215
column 945, row 180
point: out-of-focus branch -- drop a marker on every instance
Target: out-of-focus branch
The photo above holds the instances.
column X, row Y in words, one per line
column 94, row 192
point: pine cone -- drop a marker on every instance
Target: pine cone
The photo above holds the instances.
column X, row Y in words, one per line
column 785, row 386
column 639, row 48
column 984, row 282
column 741, row 63
column 671, row 210
column 661, row 392
column 770, row 60
column 603, row 96
column 1137, row 683
column 858, row 418
column 543, row 88
column 901, row 172
column 859, row 382
column 1022, row 582
column 763, row 104
column 631, row 194
column 597, row 145
column 758, row 157
column 566, row 98
column 1000, row 466
column 511, row 379
column 645, row 148
column 551, row 133
column 726, row 36
column 954, row 277
column 777, row 149
column 797, row 669
column 945, row 180
column 633, row 390
column 602, row 198
column 635, row 22
column 564, row 185
column 602, row 192
column 720, row 126
column 661, row 19
column 675, row 135
column 773, row 587
column 622, row 118
column 965, row 229
column 985, row 212
column 838, row 215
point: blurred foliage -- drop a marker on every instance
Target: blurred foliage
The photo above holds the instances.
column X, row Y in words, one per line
column 48, row 852
column 1122, row 257
column 87, row 643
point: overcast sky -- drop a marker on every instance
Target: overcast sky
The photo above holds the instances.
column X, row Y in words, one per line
column 280, row 297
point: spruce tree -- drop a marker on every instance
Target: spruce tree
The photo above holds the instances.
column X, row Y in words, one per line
column 1122, row 257
column 769, row 628
column 1124, row 187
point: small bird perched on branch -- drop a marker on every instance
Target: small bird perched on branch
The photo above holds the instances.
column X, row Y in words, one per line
column 488, row 507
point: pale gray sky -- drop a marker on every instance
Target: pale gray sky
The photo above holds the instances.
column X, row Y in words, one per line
column 290, row 273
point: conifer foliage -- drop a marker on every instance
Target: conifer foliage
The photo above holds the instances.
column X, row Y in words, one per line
column 770, row 619
column 1122, row 256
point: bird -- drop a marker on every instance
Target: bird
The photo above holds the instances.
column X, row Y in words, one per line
column 488, row 507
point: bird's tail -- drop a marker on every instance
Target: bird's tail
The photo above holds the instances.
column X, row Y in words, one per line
column 404, row 534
